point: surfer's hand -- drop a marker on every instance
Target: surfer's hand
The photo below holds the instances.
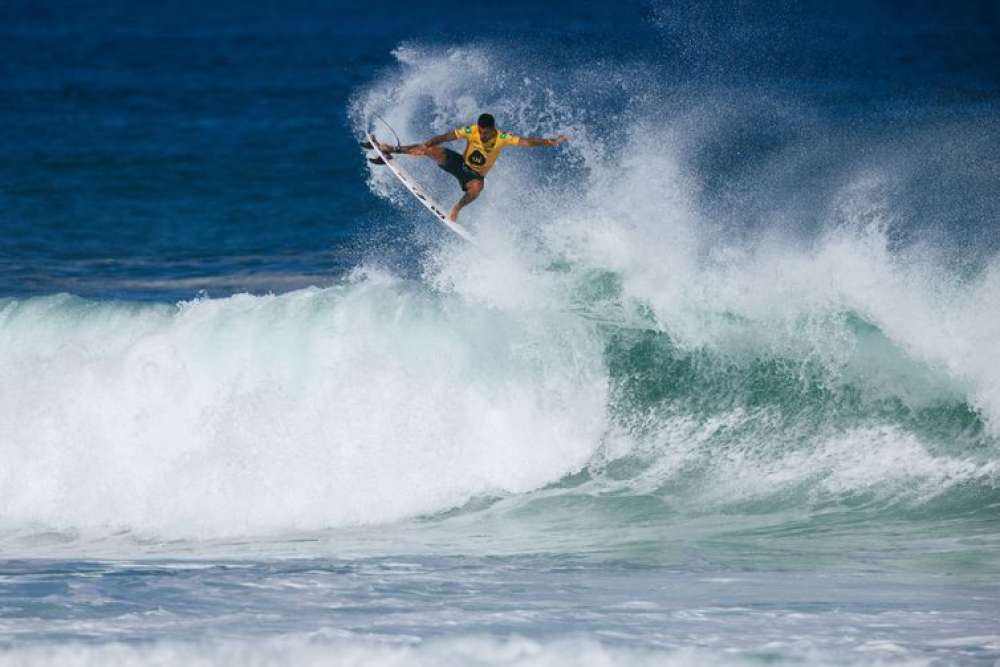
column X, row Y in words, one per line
column 561, row 139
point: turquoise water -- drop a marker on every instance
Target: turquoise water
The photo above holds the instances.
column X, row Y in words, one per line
column 718, row 384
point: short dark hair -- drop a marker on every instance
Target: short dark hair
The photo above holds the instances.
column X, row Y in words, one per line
column 486, row 120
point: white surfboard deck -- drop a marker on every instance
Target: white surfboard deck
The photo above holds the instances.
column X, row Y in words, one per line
column 420, row 193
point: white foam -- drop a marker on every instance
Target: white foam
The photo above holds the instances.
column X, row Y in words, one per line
column 462, row 651
column 884, row 462
column 364, row 403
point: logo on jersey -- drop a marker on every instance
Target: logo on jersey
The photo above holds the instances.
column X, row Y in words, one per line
column 477, row 158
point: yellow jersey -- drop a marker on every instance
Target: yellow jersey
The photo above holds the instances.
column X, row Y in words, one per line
column 480, row 156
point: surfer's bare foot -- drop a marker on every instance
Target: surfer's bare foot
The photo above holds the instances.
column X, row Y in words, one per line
column 453, row 216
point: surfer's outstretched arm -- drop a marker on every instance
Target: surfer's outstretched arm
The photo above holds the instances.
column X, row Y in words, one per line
column 531, row 141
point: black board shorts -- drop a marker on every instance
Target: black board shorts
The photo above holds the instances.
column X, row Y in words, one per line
column 455, row 165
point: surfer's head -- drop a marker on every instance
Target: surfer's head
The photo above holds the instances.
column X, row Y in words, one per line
column 487, row 126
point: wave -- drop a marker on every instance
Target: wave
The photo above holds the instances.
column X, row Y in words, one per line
column 626, row 327
column 380, row 399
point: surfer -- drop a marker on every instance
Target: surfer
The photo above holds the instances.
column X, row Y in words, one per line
column 484, row 142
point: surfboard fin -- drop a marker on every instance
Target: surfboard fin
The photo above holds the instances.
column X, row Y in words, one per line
column 377, row 160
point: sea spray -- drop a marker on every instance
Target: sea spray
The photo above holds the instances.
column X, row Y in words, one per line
column 807, row 349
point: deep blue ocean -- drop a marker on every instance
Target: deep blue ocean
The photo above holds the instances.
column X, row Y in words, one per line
column 717, row 384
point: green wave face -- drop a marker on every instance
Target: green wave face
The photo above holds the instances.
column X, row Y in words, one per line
column 825, row 440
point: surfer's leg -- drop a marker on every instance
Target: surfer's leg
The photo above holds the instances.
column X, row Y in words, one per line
column 472, row 190
column 435, row 153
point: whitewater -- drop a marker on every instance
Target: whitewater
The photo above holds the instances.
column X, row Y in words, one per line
column 691, row 398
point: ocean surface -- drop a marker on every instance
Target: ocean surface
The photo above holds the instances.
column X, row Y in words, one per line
column 718, row 385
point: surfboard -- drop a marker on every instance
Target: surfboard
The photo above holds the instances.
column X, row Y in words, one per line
column 419, row 192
